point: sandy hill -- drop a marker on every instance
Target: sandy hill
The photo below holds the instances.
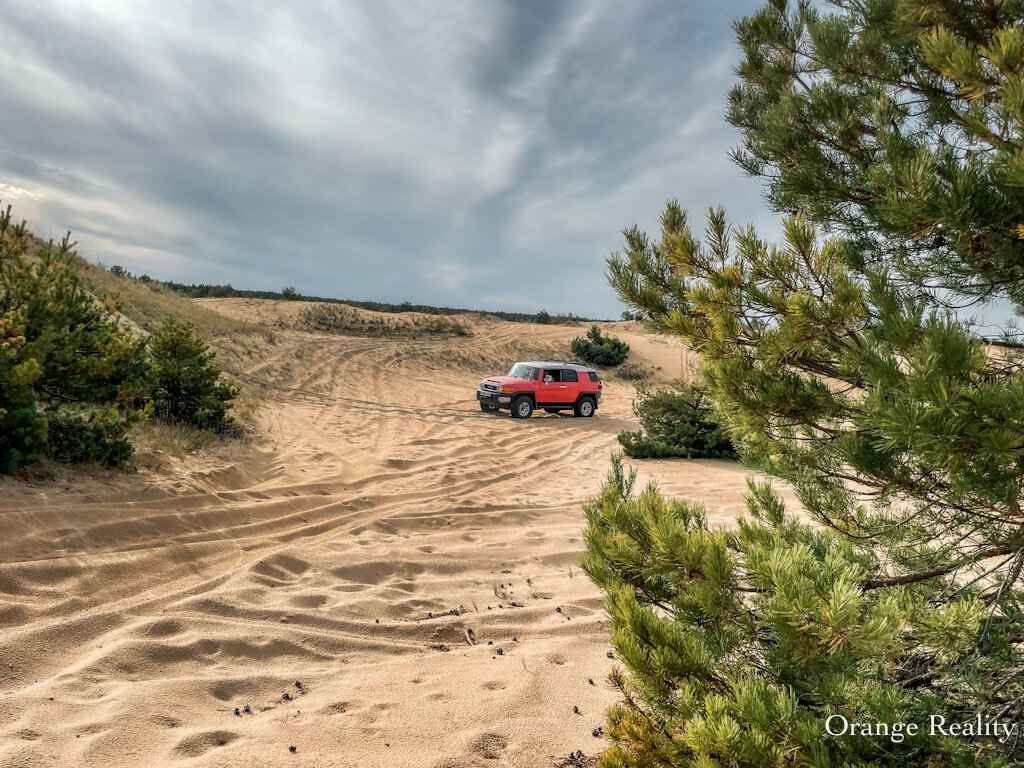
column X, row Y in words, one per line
column 381, row 576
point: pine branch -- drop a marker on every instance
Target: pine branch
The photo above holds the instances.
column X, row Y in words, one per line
column 913, row 578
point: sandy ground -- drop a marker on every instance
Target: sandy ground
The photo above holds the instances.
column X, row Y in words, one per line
column 309, row 576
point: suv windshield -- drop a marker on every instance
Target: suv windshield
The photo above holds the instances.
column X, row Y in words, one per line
column 523, row 371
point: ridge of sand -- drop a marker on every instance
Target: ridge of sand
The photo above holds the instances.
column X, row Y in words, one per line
column 318, row 577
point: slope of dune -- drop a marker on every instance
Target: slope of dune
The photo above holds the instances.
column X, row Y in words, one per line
column 385, row 576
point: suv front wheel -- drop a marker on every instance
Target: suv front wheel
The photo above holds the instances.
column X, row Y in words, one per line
column 584, row 407
column 522, row 408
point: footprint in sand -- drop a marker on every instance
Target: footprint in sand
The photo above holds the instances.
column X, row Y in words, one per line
column 337, row 708
column 309, row 601
column 164, row 628
column 201, row 743
column 279, row 569
column 489, row 746
column 231, row 689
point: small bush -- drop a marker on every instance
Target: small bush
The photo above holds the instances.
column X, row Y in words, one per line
column 288, row 293
column 596, row 349
column 186, row 382
column 677, row 421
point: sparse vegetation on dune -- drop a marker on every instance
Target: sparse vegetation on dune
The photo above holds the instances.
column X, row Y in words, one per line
column 147, row 303
column 495, row 358
column 347, row 321
column 630, row 371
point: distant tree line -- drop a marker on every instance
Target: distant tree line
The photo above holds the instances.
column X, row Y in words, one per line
column 288, row 293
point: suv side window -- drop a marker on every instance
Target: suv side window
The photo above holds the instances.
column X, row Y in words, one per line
column 569, row 375
column 593, row 377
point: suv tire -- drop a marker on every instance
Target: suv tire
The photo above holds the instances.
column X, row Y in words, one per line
column 522, row 408
column 488, row 408
column 584, row 407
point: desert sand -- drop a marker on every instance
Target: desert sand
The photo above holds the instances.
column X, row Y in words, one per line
column 382, row 576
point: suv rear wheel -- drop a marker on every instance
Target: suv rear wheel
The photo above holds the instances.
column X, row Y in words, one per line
column 584, row 407
column 522, row 408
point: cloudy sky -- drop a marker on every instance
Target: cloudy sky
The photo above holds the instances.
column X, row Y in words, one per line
column 479, row 154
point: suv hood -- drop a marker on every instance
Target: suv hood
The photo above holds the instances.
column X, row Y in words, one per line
column 506, row 380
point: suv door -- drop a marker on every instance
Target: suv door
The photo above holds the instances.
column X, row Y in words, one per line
column 553, row 392
column 564, row 390
column 570, row 380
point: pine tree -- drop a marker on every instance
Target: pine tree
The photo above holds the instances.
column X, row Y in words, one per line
column 187, row 385
column 677, row 420
column 598, row 349
column 889, row 133
column 896, row 123
column 72, row 381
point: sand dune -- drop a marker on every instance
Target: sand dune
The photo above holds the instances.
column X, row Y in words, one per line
column 386, row 577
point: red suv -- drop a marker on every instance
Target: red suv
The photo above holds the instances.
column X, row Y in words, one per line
column 551, row 385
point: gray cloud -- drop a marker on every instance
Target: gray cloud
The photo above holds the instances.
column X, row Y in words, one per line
column 473, row 154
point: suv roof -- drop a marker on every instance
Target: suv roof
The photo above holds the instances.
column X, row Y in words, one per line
column 559, row 364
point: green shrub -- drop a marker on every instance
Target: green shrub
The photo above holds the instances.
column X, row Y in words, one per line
column 97, row 437
column 72, row 381
column 677, row 420
column 597, row 349
column 186, row 383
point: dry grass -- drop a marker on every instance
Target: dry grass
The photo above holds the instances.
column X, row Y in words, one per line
column 630, row 371
column 148, row 304
column 173, row 439
column 244, row 409
column 181, row 440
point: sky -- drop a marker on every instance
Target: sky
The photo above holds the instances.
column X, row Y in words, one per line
column 482, row 154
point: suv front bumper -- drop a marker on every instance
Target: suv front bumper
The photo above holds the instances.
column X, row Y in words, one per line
column 495, row 399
